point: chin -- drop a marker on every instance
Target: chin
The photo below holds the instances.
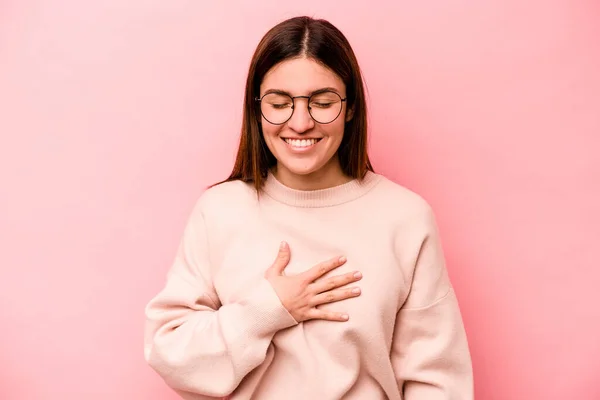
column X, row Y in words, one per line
column 303, row 171
column 300, row 166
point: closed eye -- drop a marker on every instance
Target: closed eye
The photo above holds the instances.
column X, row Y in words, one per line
column 280, row 106
column 321, row 105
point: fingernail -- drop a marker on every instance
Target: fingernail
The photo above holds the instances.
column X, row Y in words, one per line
column 345, row 316
column 282, row 245
column 357, row 275
column 356, row 290
column 342, row 259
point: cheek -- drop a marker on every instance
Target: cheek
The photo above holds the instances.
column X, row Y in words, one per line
column 270, row 135
column 336, row 131
column 270, row 130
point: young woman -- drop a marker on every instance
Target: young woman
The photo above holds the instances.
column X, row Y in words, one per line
column 306, row 275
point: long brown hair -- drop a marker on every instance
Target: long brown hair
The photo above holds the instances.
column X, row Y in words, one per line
column 319, row 40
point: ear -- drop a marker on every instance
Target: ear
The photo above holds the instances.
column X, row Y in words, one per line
column 349, row 114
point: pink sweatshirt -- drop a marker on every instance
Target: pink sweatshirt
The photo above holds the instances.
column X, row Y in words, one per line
column 218, row 330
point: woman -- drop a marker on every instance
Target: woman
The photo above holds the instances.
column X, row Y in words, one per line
column 306, row 275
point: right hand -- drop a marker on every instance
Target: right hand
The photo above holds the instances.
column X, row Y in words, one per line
column 301, row 295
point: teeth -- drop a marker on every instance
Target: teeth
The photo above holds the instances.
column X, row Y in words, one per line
column 301, row 142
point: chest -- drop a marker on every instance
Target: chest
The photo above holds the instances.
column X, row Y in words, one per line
column 251, row 248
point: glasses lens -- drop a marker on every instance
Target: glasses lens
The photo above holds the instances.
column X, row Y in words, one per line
column 276, row 108
column 325, row 107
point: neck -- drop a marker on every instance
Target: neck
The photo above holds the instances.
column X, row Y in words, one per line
column 327, row 197
column 329, row 176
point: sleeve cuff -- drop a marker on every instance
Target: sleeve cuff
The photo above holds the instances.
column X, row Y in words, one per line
column 265, row 312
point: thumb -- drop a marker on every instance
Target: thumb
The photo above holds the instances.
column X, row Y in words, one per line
column 282, row 260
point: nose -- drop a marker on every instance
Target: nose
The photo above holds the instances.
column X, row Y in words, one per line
column 301, row 120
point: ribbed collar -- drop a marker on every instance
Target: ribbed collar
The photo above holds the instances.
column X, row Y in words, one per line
column 323, row 197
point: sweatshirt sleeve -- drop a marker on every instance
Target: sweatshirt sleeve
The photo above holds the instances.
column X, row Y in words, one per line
column 430, row 353
column 201, row 348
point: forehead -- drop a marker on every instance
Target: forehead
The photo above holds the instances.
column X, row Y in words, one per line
column 300, row 76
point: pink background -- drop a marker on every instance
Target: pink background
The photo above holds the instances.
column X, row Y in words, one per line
column 115, row 114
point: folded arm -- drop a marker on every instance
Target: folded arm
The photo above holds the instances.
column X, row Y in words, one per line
column 203, row 349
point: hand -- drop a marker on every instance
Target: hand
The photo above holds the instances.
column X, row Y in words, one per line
column 301, row 295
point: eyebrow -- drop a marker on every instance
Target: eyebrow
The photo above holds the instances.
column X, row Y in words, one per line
column 321, row 90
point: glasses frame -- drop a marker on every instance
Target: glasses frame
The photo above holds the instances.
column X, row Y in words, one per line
column 342, row 100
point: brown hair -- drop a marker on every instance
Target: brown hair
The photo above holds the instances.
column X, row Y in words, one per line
column 319, row 40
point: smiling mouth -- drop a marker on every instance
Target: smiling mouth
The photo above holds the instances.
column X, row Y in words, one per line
column 301, row 143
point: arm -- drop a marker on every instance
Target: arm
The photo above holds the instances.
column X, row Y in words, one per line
column 430, row 353
column 203, row 349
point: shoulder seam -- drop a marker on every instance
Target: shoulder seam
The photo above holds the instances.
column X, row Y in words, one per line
column 448, row 292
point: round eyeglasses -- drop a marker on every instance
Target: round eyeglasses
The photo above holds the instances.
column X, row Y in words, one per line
column 278, row 107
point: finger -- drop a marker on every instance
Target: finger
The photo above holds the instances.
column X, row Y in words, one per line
column 323, row 268
column 315, row 313
column 335, row 282
column 281, row 261
column 334, row 295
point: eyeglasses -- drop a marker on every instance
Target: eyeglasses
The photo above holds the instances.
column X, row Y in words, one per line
column 324, row 106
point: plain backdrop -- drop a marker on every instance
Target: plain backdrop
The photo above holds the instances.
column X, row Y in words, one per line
column 115, row 115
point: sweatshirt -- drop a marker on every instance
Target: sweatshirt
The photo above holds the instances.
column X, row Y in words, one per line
column 218, row 330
